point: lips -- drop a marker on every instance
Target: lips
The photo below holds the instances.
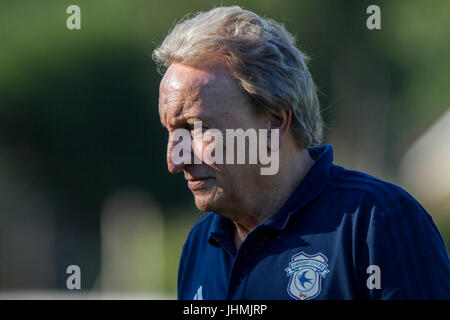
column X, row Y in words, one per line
column 198, row 183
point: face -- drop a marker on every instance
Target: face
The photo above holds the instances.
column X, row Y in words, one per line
column 209, row 95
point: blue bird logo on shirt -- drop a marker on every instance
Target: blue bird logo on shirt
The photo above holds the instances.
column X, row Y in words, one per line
column 306, row 272
column 303, row 279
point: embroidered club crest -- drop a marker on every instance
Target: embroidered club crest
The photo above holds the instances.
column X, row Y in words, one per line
column 306, row 273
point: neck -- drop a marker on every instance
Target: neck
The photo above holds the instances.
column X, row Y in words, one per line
column 273, row 194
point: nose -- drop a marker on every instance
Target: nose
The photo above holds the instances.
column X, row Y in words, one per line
column 174, row 167
column 180, row 152
column 173, row 163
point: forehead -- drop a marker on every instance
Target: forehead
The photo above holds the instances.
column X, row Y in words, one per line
column 191, row 92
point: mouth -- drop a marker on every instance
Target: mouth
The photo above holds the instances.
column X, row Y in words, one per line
column 198, row 183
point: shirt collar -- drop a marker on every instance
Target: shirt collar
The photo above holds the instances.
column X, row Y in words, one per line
column 310, row 187
column 220, row 232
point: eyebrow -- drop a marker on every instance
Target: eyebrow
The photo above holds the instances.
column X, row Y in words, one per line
column 186, row 116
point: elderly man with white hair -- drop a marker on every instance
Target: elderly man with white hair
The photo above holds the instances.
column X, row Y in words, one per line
column 309, row 230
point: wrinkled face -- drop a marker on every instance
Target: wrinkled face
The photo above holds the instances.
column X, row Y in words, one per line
column 209, row 95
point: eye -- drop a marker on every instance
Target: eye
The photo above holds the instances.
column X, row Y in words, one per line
column 191, row 129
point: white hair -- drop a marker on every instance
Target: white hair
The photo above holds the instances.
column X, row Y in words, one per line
column 259, row 53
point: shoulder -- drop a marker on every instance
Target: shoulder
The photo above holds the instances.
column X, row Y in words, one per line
column 385, row 198
column 389, row 219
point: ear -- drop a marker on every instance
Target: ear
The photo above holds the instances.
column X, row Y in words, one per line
column 281, row 121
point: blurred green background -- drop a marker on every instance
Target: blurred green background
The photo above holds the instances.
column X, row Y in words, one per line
column 83, row 177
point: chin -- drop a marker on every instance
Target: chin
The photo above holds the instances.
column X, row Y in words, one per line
column 205, row 202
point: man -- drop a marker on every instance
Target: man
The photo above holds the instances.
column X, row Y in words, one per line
column 312, row 230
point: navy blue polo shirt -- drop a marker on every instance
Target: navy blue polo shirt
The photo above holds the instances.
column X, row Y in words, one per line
column 342, row 234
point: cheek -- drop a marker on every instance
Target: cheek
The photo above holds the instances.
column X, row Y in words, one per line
column 210, row 148
column 198, row 147
column 243, row 178
column 213, row 151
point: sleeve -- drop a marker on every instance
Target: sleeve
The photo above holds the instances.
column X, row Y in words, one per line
column 405, row 256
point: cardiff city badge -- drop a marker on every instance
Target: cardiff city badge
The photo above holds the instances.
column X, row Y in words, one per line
column 306, row 272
